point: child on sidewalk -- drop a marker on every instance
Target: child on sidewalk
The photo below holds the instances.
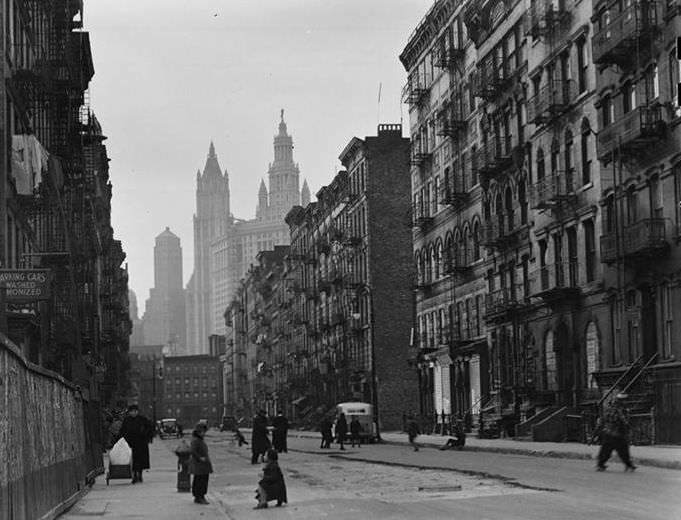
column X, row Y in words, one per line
column 272, row 485
column 199, row 465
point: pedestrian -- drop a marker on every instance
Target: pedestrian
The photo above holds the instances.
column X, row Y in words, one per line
column 199, row 465
column 355, row 430
column 271, row 485
column 138, row 432
column 239, row 437
column 280, row 432
column 615, row 434
column 341, row 430
column 326, row 429
column 413, row 432
column 260, row 441
column 458, row 440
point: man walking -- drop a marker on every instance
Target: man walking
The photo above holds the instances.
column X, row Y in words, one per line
column 260, row 441
column 138, row 431
column 615, row 434
column 341, row 430
column 279, row 433
column 413, row 432
column 355, row 429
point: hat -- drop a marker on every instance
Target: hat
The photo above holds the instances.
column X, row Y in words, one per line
column 133, row 407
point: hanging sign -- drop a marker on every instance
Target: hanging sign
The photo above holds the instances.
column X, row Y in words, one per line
column 26, row 285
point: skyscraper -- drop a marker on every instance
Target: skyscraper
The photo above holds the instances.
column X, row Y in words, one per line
column 164, row 318
column 210, row 222
column 225, row 247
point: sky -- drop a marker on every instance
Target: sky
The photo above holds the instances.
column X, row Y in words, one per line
column 171, row 76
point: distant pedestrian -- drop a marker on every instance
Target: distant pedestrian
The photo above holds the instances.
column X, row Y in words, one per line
column 355, row 430
column 326, row 429
column 341, row 430
column 199, row 465
column 260, row 441
column 280, row 432
column 413, row 432
column 239, row 437
column 271, row 485
column 138, row 432
column 614, row 434
column 458, row 439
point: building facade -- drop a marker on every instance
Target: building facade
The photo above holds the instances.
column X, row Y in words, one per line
column 55, row 204
column 164, row 317
column 351, row 275
column 192, row 389
column 508, row 169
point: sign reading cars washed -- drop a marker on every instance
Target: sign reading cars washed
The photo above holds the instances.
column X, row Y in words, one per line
column 26, row 284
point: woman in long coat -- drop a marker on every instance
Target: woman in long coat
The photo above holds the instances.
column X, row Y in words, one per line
column 272, row 485
column 341, row 430
column 260, row 442
column 199, row 465
column 138, row 431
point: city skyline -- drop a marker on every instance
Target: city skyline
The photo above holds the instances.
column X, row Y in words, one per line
column 237, row 97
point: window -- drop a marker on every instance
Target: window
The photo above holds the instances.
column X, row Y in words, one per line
column 667, row 305
column 655, row 198
column 568, row 161
column 677, row 194
column 607, row 111
column 540, row 164
column 582, row 65
column 586, row 158
column 632, row 205
column 626, row 98
column 674, row 77
column 522, row 200
column 592, row 361
column 589, row 250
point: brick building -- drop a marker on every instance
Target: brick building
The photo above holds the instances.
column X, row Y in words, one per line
column 350, row 269
column 521, row 315
column 192, row 389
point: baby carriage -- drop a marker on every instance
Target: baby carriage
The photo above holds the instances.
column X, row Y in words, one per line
column 120, row 462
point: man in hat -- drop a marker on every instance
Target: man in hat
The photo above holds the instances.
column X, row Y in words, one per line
column 615, row 434
column 138, row 431
column 260, row 441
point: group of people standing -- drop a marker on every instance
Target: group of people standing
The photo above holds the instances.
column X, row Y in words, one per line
column 326, row 428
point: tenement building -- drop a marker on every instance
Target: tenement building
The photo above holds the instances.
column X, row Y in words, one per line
column 228, row 245
column 351, row 273
column 542, row 144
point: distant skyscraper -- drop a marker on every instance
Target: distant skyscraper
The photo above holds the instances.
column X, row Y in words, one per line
column 137, row 335
column 210, row 222
column 164, row 319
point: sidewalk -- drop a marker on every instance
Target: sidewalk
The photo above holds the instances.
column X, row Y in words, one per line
column 657, row 456
column 156, row 498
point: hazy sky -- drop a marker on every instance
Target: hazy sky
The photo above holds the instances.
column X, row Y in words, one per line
column 172, row 75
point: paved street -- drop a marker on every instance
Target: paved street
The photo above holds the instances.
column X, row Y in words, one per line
column 391, row 481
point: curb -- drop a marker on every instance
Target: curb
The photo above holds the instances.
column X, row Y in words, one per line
column 642, row 461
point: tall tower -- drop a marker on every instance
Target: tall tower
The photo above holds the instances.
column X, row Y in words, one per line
column 210, row 222
column 284, row 175
column 305, row 195
column 164, row 319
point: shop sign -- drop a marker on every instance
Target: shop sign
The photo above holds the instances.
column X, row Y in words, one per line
column 25, row 285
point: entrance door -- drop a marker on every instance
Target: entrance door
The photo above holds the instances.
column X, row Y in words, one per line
column 648, row 321
column 566, row 369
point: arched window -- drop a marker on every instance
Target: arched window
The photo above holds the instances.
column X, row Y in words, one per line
column 500, row 213
column 585, row 152
column 550, row 373
column 522, row 200
column 569, row 162
column 476, row 241
column 541, row 165
column 592, row 355
column 438, row 261
column 468, row 241
column 510, row 210
column 497, row 13
column 555, row 156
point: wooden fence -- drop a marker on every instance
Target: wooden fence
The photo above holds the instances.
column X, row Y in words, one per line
column 50, row 445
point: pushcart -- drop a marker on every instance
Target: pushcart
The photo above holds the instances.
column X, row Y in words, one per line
column 120, row 462
column 118, row 471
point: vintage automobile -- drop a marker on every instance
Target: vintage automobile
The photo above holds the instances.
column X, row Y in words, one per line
column 169, row 428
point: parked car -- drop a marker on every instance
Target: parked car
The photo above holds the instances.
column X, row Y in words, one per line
column 364, row 412
column 169, row 428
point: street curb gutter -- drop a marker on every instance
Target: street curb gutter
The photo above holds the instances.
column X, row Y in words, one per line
column 665, row 464
column 67, row 504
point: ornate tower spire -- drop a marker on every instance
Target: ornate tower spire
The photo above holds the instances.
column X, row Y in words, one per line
column 262, row 200
column 305, row 194
column 283, row 174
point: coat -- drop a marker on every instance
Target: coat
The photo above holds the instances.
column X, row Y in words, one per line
column 273, row 483
column 341, row 427
column 138, row 432
column 199, row 461
column 260, row 441
column 355, row 427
